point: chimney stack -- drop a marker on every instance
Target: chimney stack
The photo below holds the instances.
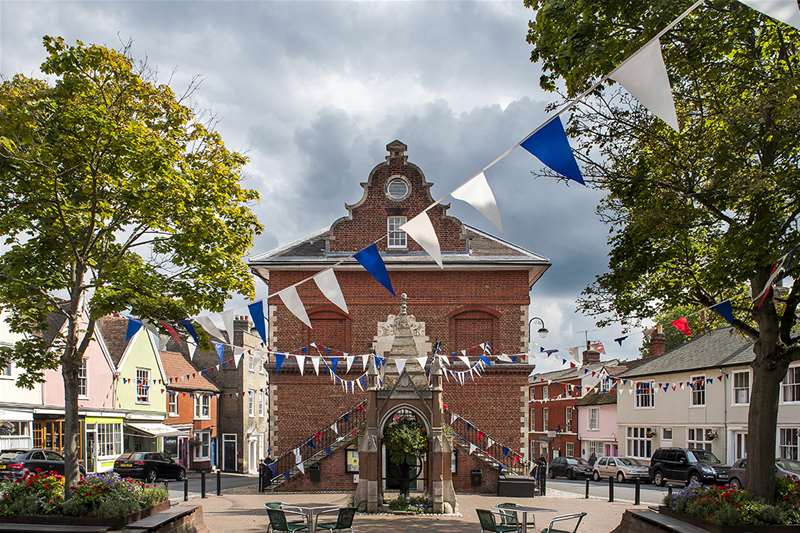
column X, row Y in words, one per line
column 658, row 343
column 590, row 355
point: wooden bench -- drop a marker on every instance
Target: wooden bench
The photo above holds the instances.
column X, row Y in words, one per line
column 53, row 528
column 157, row 520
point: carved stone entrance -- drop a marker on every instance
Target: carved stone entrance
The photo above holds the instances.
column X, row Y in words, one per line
column 408, row 390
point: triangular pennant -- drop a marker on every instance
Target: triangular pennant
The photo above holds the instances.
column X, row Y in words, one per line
column 172, row 332
column 422, row 361
column 329, row 287
column 279, row 359
column 619, row 340
column 503, row 357
column 784, row 10
column 453, row 418
column 465, row 359
column 472, row 448
column 489, row 442
column 349, row 361
column 315, row 363
column 371, row 260
column 134, row 326
column 208, row 324
column 238, row 353
column 334, row 364
column 477, row 193
column 551, row 146
column 189, row 327
column 644, row 75
column 682, row 324
column 301, row 362
column 364, row 361
column 420, row 228
column 292, row 301
column 257, row 314
column 298, row 460
column 228, row 318
column 400, row 363
column 725, row 310
column 220, row 349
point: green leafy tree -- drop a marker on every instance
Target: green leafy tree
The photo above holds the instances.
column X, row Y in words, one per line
column 115, row 197
column 699, row 216
column 702, row 321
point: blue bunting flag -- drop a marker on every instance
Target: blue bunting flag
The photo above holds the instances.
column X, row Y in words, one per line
column 371, row 260
column 550, row 145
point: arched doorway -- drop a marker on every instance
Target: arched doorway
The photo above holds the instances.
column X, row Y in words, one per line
column 405, row 435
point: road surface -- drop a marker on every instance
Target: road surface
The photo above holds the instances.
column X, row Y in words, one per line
column 650, row 494
column 228, row 481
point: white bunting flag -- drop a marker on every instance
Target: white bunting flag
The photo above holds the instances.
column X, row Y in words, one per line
column 349, row 360
column 360, row 386
column 292, row 301
column 301, row 362
column 477, row 193
column 472, row 448
column 453, row 418
column 364, row 361
column 784, row 10
column 329, row 287
column 422, row 361
column 644, row 75
column 421, row 230
column 444, row 360
column 238, row 353
column 489, row 443
column 298, row 461
column 335, row 428
column 400, row 363
column 574, row 352
column 227, row 319
column 192, row 349
column 503, row 357
column 315, row 362
column 207, row 323
column 465, row 359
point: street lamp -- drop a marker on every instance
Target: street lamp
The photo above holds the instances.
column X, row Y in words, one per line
column 542, row 331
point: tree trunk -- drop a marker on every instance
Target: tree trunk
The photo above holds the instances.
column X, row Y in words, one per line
column 69, row 370
column 761, row 429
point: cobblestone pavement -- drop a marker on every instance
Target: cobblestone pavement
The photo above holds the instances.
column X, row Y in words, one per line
column 245, row 513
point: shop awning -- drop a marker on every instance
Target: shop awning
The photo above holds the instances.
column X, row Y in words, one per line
column 155, row 429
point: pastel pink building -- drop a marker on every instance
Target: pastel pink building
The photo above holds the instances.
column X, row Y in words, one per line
column 597, row 414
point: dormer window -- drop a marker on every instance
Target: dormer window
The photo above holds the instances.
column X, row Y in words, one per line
column 397, row 188
column 396, row 237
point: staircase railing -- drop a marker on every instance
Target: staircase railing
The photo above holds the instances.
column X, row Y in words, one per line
column 319, row 444
column 512, row 462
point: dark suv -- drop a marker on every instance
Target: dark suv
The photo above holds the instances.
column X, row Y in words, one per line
column 685, row 466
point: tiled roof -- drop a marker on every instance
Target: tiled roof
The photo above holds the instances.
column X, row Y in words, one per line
column 114, row 330
column 183, row 375
column 721, row 347
column 598, row 398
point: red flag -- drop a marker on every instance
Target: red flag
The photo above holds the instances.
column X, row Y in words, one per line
column 445, row 406
column 172, row 332
column 480, row 435
column 598, row 346
column 682, row 325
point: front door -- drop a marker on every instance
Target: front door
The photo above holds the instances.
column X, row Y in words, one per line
column 252, row 456
column 229, row 452
column 183, row 451
column 91, row 448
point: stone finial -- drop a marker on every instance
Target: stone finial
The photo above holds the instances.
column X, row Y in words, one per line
column 397, row 150
column 403, row 303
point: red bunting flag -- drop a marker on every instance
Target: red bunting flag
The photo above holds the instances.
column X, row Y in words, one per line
column 480, row 435
column 682, row 324
column 445, row 406
column 172, row 332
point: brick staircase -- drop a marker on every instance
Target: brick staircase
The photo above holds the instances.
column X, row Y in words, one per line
column 318, row 445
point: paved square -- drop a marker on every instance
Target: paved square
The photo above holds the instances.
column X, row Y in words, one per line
column 245, row 513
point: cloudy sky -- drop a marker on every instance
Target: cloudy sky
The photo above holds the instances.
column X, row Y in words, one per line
column 313, row 92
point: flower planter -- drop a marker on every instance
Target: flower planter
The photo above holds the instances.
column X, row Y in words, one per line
column 714, row 528
column 65, row 520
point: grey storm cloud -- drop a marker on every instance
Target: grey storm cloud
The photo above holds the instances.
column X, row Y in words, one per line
column 313, row 91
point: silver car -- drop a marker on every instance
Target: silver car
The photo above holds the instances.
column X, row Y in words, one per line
column 622, row 468
column 783, row 468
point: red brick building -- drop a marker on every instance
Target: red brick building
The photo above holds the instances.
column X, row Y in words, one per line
column 191, row 407
column 481, row 295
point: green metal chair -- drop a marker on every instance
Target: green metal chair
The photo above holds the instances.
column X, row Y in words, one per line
column 278, row 522
column 344, row 521
column 490, row 525
column 565, row 518
column 508, row 517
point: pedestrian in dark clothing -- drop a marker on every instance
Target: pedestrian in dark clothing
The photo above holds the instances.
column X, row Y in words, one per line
column 592, row 459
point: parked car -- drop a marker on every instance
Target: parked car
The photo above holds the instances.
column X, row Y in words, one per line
column 15, row 463
column 783, row 468
column 571, row 467
column 148, row 466
column 684, row 465
column 622, row 468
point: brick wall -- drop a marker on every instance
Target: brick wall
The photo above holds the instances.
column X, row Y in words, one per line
column 332, row 473
column 557, row 419
column 462, row 482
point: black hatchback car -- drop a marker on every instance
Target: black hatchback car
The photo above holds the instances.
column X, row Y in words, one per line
column 570, row 467
column 686, row 466
column 15, row 463
column 148, row 466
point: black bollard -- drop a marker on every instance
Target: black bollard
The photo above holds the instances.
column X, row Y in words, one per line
column 544, row 484
column 611, row 488
column 637, row 493
column 669, row 492
column 202, row 484
column 185, row 488
column 587, row 488
column 166, row 485
column 261, row 478
column 219, row 483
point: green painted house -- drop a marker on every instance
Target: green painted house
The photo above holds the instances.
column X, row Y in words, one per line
column 140, row 388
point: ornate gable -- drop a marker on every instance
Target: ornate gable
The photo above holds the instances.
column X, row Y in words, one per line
column 394, row 189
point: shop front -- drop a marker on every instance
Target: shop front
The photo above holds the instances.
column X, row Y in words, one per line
column 103, row 438
column 151, row 437
column 16, row 429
